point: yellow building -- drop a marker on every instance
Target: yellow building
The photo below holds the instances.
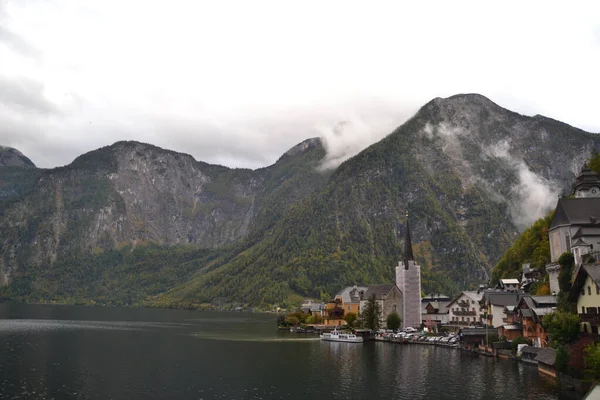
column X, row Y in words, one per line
column 346, row 301
column 586, row 292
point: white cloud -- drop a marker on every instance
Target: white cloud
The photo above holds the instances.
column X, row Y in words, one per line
column 235, row 71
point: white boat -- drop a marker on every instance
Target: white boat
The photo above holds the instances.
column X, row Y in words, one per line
column 336, row 336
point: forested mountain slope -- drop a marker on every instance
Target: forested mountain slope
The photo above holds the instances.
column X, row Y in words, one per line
column 469, row 173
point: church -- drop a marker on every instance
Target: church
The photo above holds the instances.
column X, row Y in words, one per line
column 575, row 227
column 408, row 280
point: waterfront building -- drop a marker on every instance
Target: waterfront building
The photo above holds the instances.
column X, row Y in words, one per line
column 511, row 327
column 408, row 280
column 434, row 310
column 532, row 310
column 464, row 309
column 494, row 303
column 346, row 301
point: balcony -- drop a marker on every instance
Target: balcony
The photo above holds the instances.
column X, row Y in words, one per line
column 472, row 313
column 463, row 303
column 593, row 319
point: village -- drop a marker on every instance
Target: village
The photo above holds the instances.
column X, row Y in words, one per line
column 557, row 330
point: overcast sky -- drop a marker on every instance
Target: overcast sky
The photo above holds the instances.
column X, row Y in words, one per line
column 239, row 83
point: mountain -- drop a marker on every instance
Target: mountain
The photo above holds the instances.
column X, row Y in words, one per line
column 10, row 157
column 17, row 176
column 133, row 223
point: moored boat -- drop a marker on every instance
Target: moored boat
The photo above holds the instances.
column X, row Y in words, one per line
column 336, row 336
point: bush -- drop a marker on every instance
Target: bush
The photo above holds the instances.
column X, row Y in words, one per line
column 393, row 321
column 518, row 341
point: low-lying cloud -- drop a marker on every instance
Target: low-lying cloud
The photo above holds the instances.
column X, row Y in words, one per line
column 529, row 198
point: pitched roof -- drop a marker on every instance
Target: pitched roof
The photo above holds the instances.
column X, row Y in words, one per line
column 346, row 295
column 547, row 356
column 513, row 327
column 475, row 296
column 540, row 312
column 531, row 349
column 478, row 331
column 544, row 300
column 435, row 296
column 512, row 281
column 439, row 306
column 502, row 298
column 378, row 290
column 580, row 242
column 576, row 212
column 591, row 270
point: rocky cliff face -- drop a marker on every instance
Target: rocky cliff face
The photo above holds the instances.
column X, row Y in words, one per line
column 470, row 173
column 133, row 192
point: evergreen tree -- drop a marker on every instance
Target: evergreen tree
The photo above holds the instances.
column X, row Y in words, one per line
column 370, row 314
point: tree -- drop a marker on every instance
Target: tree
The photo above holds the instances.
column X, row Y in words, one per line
column 592, row 360
column 563, row 327
column 370, row 314
column 393, row 321
column 350, row 319
column 566, row 261
column 292, row 320
column 562, row 359
column 520, row 340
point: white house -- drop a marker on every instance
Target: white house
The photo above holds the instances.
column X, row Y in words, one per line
column 464, row 310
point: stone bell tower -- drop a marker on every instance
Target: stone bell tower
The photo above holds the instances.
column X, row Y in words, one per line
column 408, row 280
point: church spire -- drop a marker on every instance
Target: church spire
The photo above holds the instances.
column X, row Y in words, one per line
column 408, row 253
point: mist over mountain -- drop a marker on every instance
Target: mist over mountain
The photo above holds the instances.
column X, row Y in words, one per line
column 470, row 174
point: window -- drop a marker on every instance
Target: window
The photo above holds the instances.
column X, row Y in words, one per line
column 348, row 308
column 589, row 291
column 597, row 289
column 582, row 309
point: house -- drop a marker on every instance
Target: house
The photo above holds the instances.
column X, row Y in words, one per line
column 529, row 353
column 494, row 303
column 532, row 309
column 575, row 226
column 464, row 309
column 586, row 292
column 312, row 307
column 389, row 298
column 528, row 275
column 546, row 360
column 509, row 285
column 346, row 301
column 472, row 338
column 511, row 327
column 434, row 310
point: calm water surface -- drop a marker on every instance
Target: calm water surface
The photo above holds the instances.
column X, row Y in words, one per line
column 65, row 352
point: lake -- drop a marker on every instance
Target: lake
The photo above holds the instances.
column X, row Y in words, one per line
column 70, row 352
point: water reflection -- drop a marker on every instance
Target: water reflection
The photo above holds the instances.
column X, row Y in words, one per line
column 96, row 353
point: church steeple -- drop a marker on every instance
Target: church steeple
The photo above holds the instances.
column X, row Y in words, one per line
column 587, row 183
column 408, row 253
